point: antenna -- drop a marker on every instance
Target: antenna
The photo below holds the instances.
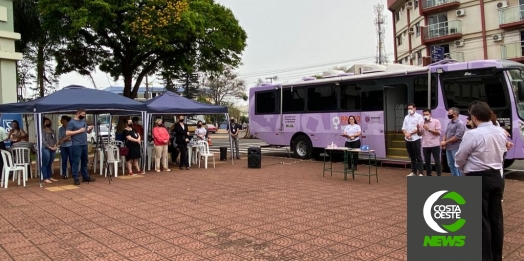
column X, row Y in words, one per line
column 380, row 22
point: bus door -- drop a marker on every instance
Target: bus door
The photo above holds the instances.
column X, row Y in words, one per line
column 395, row 104
column 372, row 117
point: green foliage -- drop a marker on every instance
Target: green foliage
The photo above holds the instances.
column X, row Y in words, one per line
column 226, row 86
column 244, row 119
column 133, row 38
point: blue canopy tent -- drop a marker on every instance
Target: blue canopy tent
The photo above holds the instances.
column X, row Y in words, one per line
column 71, row 98
column 172, row 103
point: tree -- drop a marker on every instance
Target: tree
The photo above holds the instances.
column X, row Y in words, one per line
column 133, row 38
column 37, row 44
column 226, row 86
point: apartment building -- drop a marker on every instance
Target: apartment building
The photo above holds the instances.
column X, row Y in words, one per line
column 466, row 29
column 8, row 55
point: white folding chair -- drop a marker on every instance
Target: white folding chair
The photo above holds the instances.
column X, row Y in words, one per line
column 10, row 166
column 203, row 148
column 113, row 157
column 21, row 157
column 119, row 144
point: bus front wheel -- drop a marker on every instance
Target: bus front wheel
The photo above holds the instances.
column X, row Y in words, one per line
column 302, row 147
column 508, row 163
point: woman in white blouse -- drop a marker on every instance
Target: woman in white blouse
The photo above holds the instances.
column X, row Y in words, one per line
column 352, row 133
column 201, row 134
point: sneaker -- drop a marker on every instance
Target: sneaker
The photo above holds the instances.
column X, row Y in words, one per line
column 411, row 174
column 420, row 175
column 89, row 180
column 77, row 182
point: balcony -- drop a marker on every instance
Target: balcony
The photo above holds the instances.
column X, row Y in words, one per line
column 429, row 7
column 457, row 56
column 442, row 32
column 511, row 17
column 512, row 51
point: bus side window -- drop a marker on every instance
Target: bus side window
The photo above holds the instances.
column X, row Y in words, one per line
column 349, row 97
column 265, row 102
column 372, row 100
column 294, row 101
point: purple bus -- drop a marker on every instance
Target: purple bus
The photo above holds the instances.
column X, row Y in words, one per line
column 309, row 115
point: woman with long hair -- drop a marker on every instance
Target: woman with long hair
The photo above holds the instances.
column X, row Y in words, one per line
column 16, row 134
column 49, row 148
column 132, row 142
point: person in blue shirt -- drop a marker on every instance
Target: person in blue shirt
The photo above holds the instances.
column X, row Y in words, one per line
column 65, row 145
column 77, row 129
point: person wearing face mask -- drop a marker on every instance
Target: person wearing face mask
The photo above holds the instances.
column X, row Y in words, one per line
column 200, row 133
column 48, row 151
column 77, row 129
column 431, row 142
column 452, row 139
column 233, row 133
column 132, row 142
column 412, row 128
column 181, row 139
column 161, row 139
column 352, row 132
column 481, row 154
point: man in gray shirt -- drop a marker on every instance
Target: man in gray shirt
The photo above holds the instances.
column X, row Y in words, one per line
column 77, row 129
column 451, row 141
column 481, row 154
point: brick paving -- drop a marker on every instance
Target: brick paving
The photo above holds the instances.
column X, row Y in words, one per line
column 279, row 212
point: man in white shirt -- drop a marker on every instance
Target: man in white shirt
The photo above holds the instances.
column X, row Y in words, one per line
column 412, row 130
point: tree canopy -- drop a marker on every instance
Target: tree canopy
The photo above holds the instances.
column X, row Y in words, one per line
column 134, row 38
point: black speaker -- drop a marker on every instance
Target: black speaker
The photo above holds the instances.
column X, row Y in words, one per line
column 254, row 157
column 223, row 153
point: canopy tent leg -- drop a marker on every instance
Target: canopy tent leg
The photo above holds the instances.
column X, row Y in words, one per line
column 145, row 123
column 230, row 141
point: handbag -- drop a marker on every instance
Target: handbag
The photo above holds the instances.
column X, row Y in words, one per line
column 124, row 151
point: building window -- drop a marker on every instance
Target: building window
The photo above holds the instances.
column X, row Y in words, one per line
column 417, row 29
column 406, row 60
column 416, row 4
column 419, row 57
column 397, row 16
column 399, row 40
column 399, row 61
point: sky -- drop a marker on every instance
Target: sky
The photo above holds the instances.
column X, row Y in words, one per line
column 291, row 39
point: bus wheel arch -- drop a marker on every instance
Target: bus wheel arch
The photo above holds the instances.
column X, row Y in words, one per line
column 301, row 146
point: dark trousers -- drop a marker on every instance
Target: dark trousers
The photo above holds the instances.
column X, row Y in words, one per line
column 354, row 145
column 415, row 155
column 79, row 161
column 435, row 151
column 65, row 154
column 2, row 147
column 183, row 155
column 174, row 153
column 492, row 219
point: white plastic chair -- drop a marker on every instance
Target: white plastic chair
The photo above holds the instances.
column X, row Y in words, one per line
column 9, row 166
column 113, row 157
column 21, row 157
column 203, row 148
column 120, row 144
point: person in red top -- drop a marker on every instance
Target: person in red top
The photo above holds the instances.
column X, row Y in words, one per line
column 161, row 139
column 138, row 128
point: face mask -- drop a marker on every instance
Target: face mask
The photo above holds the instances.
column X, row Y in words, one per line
column 81, row 117
column 181, row 120
column 130, row 124
column 450, row 116
column 410, row 111
column 199, row 125
column 48, row 125
column 426, row 118
column 232, row 120
column 468, row 126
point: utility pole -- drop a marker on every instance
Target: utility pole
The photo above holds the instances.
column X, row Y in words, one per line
column 147, row 88
column 380, row 22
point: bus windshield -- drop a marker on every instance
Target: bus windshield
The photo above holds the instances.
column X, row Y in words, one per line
column 517, row 83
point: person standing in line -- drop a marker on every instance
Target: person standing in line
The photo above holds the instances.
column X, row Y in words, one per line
column 352, row 132
column 132, row 142
column 77, row 129
column 181, row 139
column 138, row 128
column 201, row 134
column 161, row 139
column 233, row 133
column 65, row 145
column 3, row 138
column 412, row 128
column 452, row 139
column 48, row 151
column 431, row 142
column 480, row 154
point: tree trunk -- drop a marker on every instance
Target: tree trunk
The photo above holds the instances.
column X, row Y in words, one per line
column 40, row 70
column 128, row 84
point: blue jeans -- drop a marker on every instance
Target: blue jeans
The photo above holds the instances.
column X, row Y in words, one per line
column 450, row 156
column 79, row 161
column 48, row 157
column 65, row 154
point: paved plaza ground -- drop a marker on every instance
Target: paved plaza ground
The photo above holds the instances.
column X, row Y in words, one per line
column 278, row 212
